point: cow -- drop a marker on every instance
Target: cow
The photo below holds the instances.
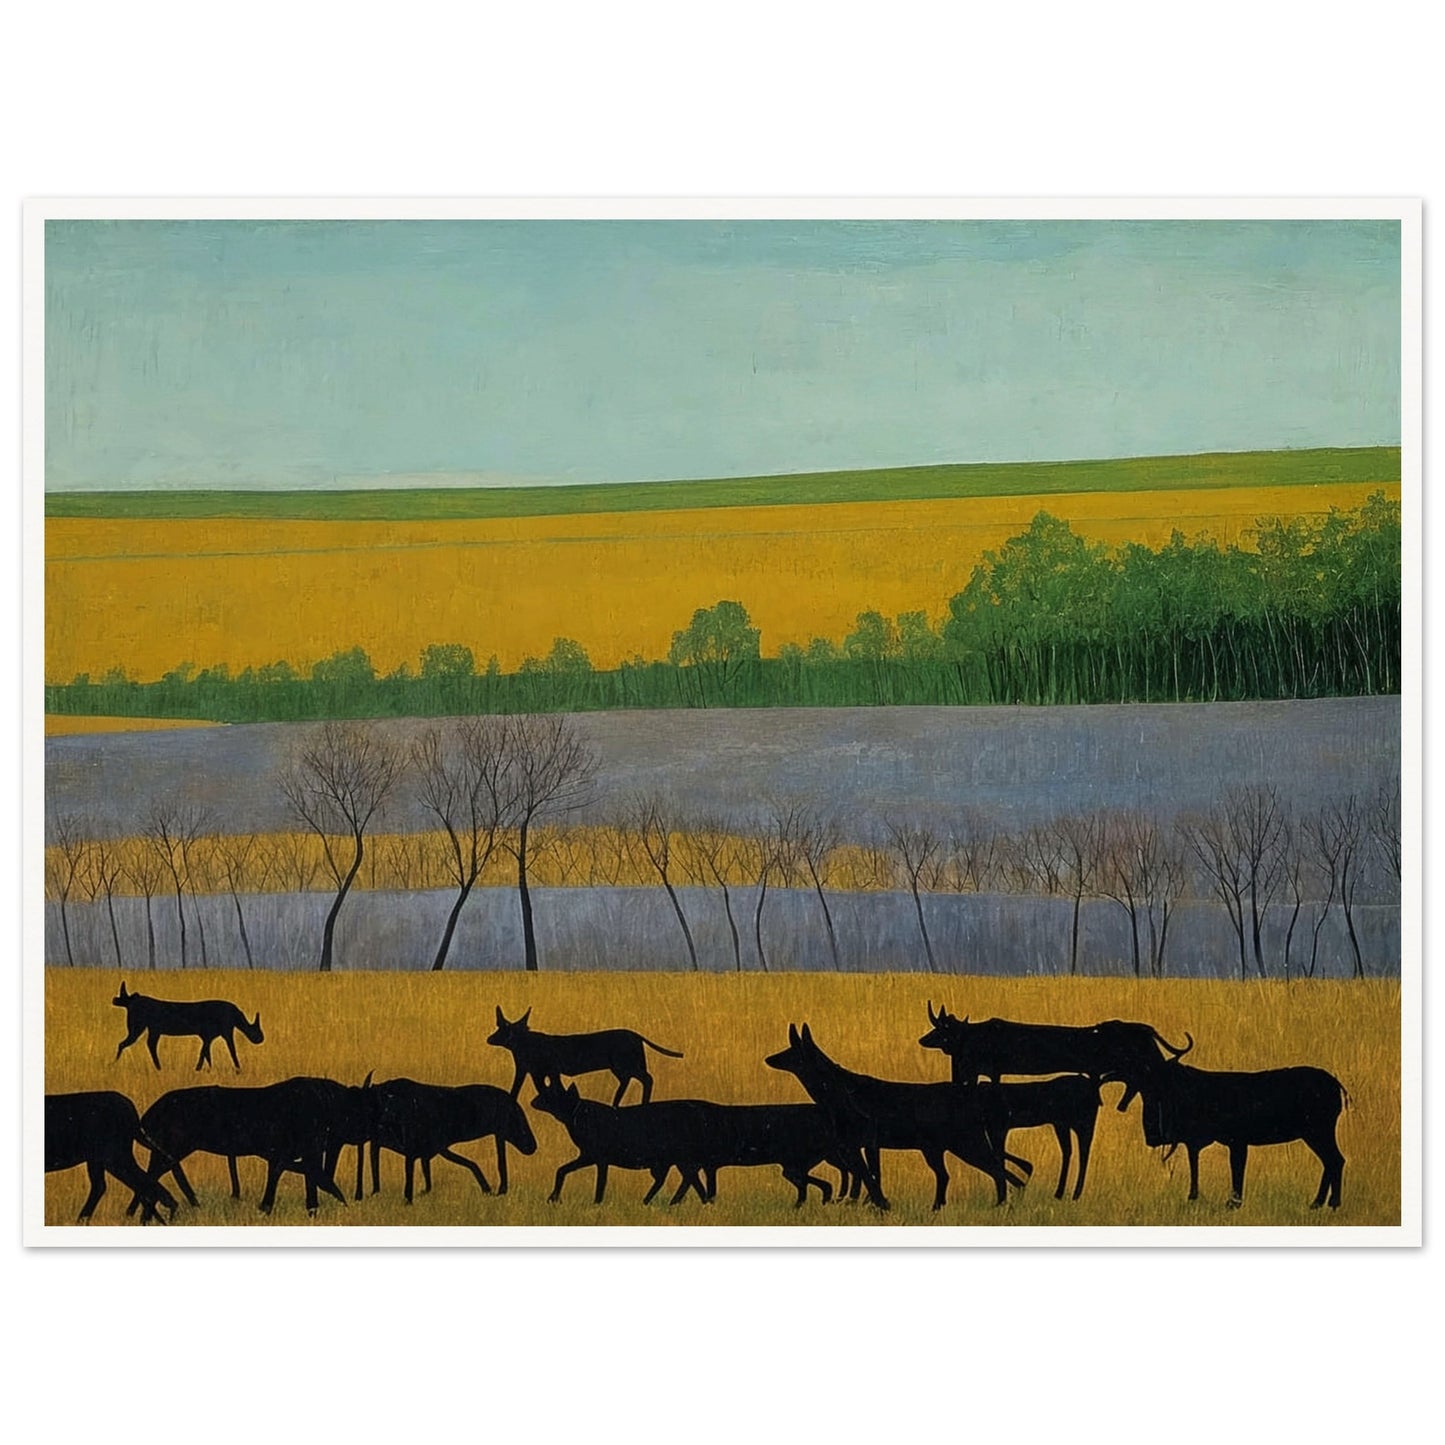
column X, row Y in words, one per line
column 555, row 1058
column 993, row 1048
column 869, row 1115
column 297, row 1125
column 422, row 1121
column 654, row 1137
column 100, row 1130
column 1198, row 1107
column 207, row 1020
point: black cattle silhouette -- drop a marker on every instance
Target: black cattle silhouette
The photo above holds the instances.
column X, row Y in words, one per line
column 299, row 1125
column 1199, row 1107
column 992, row 1048
column 208, row 1020
column 871, row 1114
column 425, row 1121
column 555, row 1058
column 100, row 1130
column 653, row 1137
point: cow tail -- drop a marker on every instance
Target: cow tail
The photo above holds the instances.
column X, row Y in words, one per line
column 1345, row 1099
column 671, row 1053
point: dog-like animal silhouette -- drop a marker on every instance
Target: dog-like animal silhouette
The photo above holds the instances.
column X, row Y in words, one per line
column 555, row 1058
column 654, row 1137
column 870, row 1115
column 299, row 1125
column 1199, row 1107
column 207, row 1020
column 100, row 1130
column 426, row 1121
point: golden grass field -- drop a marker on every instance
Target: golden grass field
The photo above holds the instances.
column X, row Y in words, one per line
column 149, row 595
column 434, row 1027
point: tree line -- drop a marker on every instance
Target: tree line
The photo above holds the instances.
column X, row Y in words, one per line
column 1311, row 609
column 507, row 790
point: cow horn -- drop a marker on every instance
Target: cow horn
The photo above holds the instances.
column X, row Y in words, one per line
column 501, row 1018
column 932, row 1017
column 122, row 989
column 366, row 1082
column 792, row 1033
column 807, row 1034
column 525, row 1017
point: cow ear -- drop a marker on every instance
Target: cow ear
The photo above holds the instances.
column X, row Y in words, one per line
column 572, row 1091
column 525, row 1017
column 807, row 1034
column 932, row 1017
column 366, row 1082
column 501, row 1019
column 122, row 988
column 792, row 1033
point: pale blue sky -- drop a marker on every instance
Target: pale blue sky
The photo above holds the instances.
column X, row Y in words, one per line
column 310, row 354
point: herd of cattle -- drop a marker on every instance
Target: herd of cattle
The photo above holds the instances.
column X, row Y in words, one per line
column 302, row 1124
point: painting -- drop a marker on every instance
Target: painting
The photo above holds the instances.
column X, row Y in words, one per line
column 782, row 724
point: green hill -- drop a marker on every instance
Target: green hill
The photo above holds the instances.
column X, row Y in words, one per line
column 984, row 479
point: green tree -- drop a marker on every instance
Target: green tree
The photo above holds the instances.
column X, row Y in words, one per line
column 443, row 661
column 716, row 645
column 348, row 667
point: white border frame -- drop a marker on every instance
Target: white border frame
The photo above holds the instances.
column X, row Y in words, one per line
column 1408, row 1233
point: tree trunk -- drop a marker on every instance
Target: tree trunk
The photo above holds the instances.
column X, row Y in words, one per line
column 923, row 929
column 1074, row 937
column 114, row 931
column 686, row 931
column 732, row 928
column 1255, row 926
column 828, row 921
column 181, row 920
column 529, row 935
column 329, row 932
column 439, row 962
column 758, row 922
column 150, row 936
column 65, row 931
column 241, row 925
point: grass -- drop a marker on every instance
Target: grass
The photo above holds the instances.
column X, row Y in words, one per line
column 986, row 479
column 434, row 1027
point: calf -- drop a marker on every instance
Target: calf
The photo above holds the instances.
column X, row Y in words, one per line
column 100, row 1131
column 1199, row 1107
column 422, row 1121
column 869, row 1115
column 995, row 1047
column 555, row 1058
column 647, row 1136
column 298, row 1125
column 208, row 1020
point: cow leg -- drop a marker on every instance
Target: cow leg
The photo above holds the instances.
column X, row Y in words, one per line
column 501, row 1165
column 1192, row 1150
column 152, row 1039
column 410, row 1175
column 453, row 1157
column 375, row 1167
column 1086, row 1142
column 130, row 1038
column 600, row 1192
column 518, row 1079
column 939, row 1165
column 274, row 1171
column 235, row 1177
column 1238, row 1157
column 360, row 1163
column 149, row 1190
column 659, row 1178
column 230, row 1044
column 426, row 1171
column 563, row 1170
column 645, row 1079
column 623, row 1080
column 689, row 1181
column 872, row 1179
column 709, row 1179
column 318, row 1178
column 97, row 1189
column 1332, row 1172
column 1066, row 1150
column 204, row 1057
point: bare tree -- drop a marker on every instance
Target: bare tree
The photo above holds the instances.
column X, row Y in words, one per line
column 295, row 861
column 974, row 844
column 1385, row 825
column 144, row 869
column 650, row 822
column 1076, row 843
column 66, row 856
column 1211, row 840
column 196, row 864
column 336, row 785
column 718, row 855
column 818, row 836
column 922, row 855
column 1142, row 870
column 550, row 770
column 463, row 782
column 235, row 855
column 1323, row 843
column 105, row 869
column 1342, row 825
column 170, row 831
column 769, row 847
column 1258, row 823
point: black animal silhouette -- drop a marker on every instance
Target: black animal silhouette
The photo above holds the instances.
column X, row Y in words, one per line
column 870, row 1114
column 654, row 1137
column 207, row 1020
column 298, row 1125
column 423, row 1121
column 1199, row 1107
column 555, row 1058
column 1069, row 1105
column 100, row 1130
column 992, row 1048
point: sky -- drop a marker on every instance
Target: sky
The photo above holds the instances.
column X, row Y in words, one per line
column 218, row 354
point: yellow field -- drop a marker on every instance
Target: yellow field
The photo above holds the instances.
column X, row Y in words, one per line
column 147, row 596
column 434, row 1027
column 62, row 724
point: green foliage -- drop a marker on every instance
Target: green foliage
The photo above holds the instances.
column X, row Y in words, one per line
column 444, row 660
column 348, row 667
